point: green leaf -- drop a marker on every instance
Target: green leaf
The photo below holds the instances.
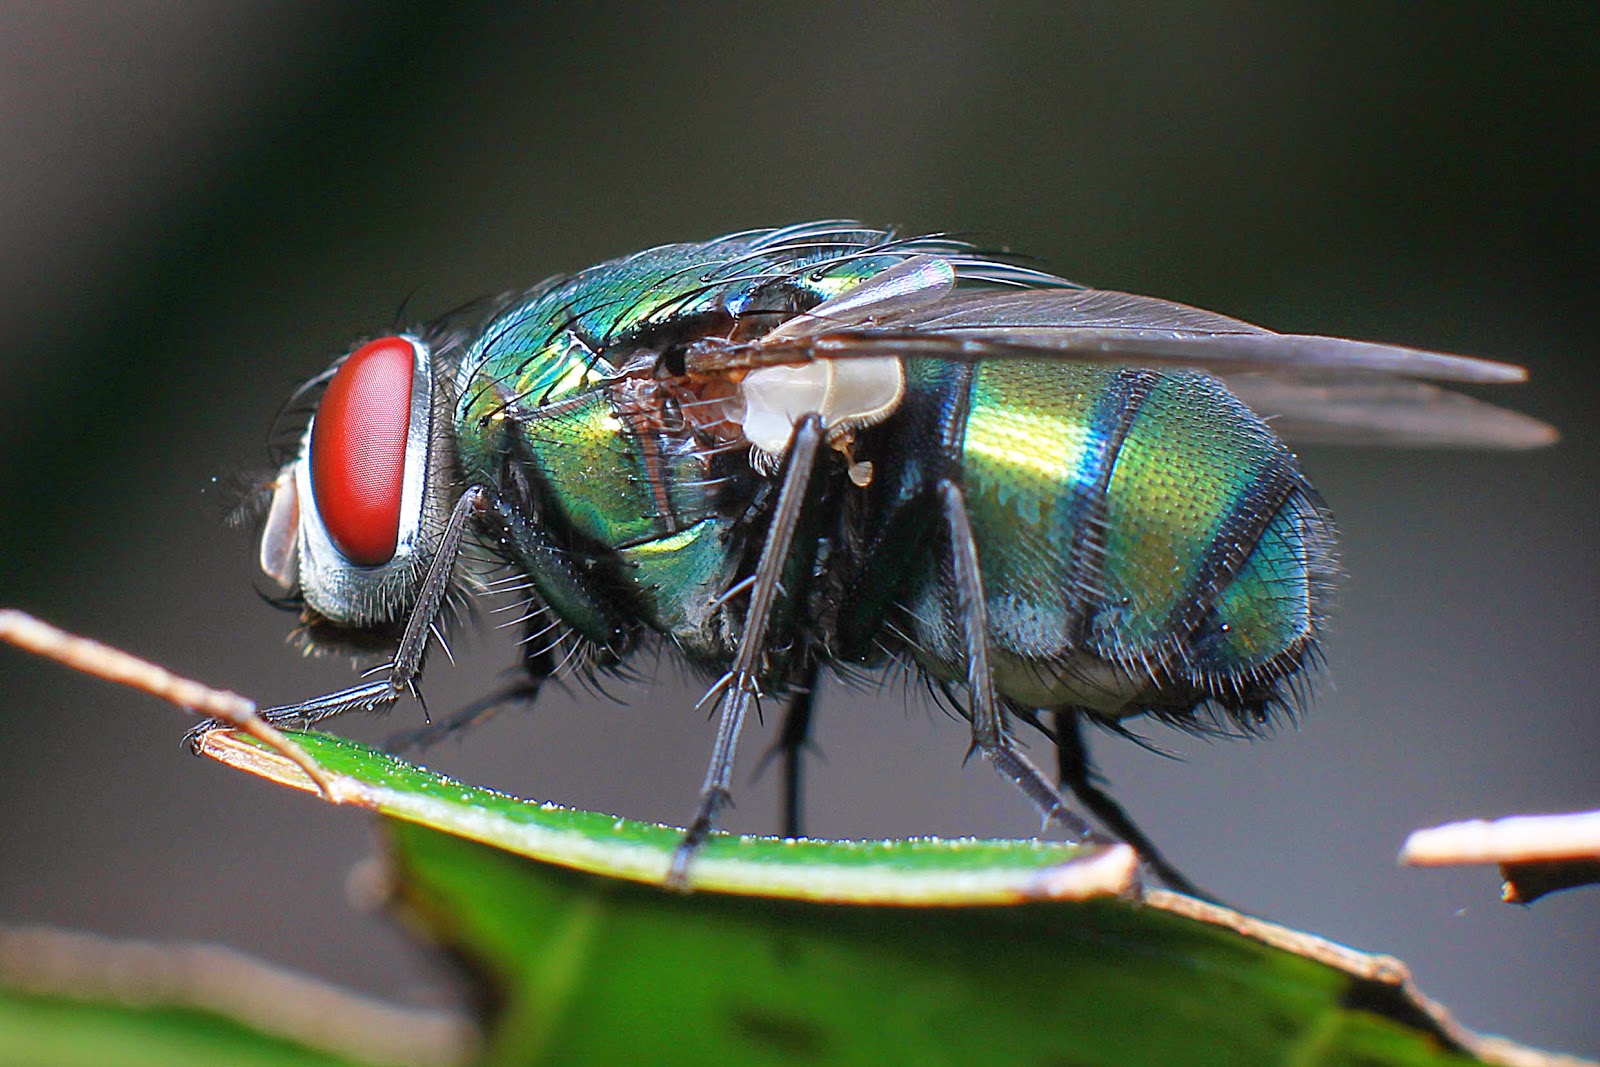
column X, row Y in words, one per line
column 587, row 969
column 949, row 952
column 918, row 870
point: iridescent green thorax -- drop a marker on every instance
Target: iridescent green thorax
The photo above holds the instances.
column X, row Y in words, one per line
column 615, row 459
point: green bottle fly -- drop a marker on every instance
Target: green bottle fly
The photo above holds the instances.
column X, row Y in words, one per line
column 822, row 447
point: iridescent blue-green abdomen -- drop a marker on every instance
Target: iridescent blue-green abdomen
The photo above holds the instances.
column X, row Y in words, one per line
column 1146, row 542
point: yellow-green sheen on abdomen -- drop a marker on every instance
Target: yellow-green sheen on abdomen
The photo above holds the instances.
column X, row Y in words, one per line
column 1028, row 436
column 1143, row 537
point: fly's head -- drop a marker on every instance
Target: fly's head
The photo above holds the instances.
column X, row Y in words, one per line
column 358, row 513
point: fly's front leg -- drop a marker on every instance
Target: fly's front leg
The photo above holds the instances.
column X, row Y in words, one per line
column 739, row 684
column 989, row 734
column 406, row 666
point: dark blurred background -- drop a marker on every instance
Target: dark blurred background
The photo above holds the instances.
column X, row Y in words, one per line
column 201, row 203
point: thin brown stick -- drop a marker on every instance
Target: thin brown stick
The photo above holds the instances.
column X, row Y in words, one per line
column 1515, row 839
column 221, row 981
column 114, row 665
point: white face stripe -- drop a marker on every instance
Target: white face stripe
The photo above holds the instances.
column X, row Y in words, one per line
column 331, row 584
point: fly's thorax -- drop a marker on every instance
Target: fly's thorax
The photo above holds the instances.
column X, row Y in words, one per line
column 613, row 465
column 357, row 515
column 637, row 475
column 587, row 394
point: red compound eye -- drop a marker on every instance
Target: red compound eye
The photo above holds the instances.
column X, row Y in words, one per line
column 358, row 450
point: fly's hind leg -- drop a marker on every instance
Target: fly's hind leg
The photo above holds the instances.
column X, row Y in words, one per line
column 990, row 735
column 1078, row 774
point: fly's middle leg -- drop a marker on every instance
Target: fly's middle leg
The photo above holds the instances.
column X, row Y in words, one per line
column 791, row 744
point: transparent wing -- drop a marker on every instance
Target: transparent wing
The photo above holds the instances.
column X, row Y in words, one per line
column 1091, row 325
column 1316, row 389
column 1392, row 414
column 1068, row 309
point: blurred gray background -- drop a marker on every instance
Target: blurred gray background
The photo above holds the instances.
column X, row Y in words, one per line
column 201, row 203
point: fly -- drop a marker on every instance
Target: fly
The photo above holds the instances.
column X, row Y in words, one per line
column 822, row 447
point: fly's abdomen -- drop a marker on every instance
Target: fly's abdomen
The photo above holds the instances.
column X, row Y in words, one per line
column 1215, row 553
column 1146, row 542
